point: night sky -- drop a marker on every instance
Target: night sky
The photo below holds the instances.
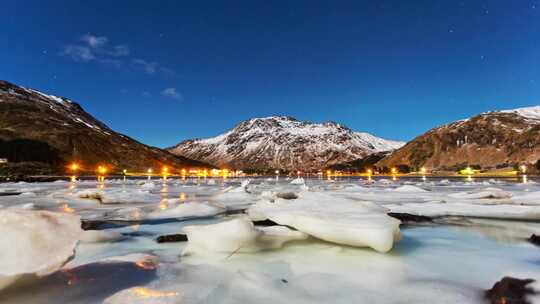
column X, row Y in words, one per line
column 164, row 71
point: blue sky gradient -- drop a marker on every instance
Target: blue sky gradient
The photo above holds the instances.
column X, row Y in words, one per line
column 164, row 71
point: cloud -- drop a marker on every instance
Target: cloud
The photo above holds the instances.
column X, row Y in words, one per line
column 94, row 48
column 78, row 53
column 99, row 49
column 172, row 93
column 119, row 50
column 151, row 67
column 94, row 41
column 147, row 67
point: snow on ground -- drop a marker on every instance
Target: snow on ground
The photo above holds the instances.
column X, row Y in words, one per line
column 450, row 261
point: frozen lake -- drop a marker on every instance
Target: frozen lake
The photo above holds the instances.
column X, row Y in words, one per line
column 479, row 235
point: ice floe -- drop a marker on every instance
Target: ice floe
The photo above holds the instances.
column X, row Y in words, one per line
column 35, row 242
column 237, row 235
column 341, row 221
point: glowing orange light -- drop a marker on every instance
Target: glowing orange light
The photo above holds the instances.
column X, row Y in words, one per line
column 65, row 208
column 165, row 170
column 102, row 170
column 144, row 292
column 369, row 171
column 74, row 167
column 394, row 170
column 145, row 264
column 149, row 171
column 328, row 172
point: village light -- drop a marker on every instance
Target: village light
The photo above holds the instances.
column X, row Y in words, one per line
column 394, row 170
column 74, row 167
column 523, row 169
column 423, row 170
column 149, row 171
column 165, row 170
column 276, row 172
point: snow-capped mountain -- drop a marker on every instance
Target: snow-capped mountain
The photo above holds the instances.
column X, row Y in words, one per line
column 283, row 142
column 35, row 126
column 491, row 140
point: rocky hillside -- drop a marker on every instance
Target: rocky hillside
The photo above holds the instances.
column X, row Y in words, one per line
column 36, row 127
column 491, row 140
column 282, row 142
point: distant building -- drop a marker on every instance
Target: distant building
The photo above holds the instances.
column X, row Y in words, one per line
column 3, row 160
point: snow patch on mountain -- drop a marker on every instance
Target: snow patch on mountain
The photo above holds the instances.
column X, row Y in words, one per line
column 527, row 112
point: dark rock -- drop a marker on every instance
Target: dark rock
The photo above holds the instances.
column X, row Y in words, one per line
column 284, row 281
column 100, row 225
column 535, row 239
column 510, row 291
column 170, row 238
column 410, row 218
column 91, row 225
column 266, row 222
column 287, row 195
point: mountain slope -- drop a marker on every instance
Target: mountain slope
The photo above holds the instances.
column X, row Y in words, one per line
column 491, row 139
column 38, row 127
column 283, row 143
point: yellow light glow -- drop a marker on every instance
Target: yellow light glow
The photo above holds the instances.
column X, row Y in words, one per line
column 65, row 208
column 149, row 171
column 394, row 170
column 74, row 167
column 124, row 171
column 423, row 170
column 523, row 168
column 369, row 172
column 328, row 172
column 102, row 170
column 144, row 292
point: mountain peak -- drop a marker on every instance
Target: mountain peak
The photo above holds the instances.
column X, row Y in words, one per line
column 284, row 142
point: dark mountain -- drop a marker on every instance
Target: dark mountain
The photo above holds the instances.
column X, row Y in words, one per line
column 489, row 140
column 36, row 127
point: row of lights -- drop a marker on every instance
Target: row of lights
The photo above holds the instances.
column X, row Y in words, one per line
column 102, row 170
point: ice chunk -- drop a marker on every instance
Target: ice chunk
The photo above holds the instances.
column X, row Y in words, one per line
column 187, row 210
column 100, row 236
column 337, row 220
column 409, row 188
column 118, row 196
column 35, row 242
column 483, row 193
column 298, row 181
column 500, row 211
column 237, row 235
